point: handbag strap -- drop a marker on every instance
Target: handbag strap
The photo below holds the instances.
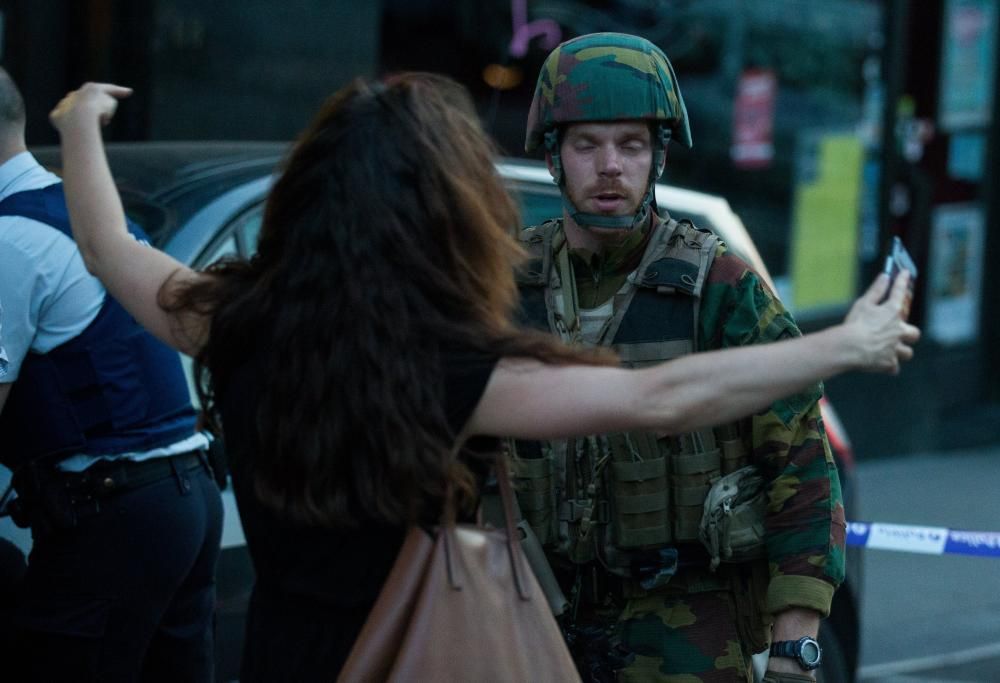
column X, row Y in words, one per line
column 517, row 564
column 513, row 535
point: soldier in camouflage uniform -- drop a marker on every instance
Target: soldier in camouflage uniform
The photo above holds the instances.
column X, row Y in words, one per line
column 618, row 514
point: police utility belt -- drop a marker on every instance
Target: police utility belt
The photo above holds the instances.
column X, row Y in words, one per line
column 50, row 497
column 639, row 505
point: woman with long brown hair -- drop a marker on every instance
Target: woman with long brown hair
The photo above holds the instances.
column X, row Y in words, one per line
column 371, row 337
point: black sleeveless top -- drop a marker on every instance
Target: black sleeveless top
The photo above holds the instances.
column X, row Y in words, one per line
column 315, row 585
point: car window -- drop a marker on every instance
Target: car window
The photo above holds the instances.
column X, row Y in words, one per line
column 155, row 219
column 249, row 229
column 237, row 238
column 227, row 246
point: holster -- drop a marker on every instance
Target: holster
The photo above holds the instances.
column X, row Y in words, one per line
column 41, row 504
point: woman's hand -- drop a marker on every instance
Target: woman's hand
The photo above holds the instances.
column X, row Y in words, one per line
column 92, row 102
column 132, row 271
column 882, row 335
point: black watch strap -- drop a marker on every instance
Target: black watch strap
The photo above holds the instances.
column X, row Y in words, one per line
column 785, row 648
column 805, row 651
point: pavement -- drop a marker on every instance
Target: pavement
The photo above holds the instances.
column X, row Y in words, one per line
column 931, row 618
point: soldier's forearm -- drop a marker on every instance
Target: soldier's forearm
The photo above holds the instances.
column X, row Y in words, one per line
column 794, row 623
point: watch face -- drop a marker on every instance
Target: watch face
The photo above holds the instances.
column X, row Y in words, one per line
column 809, row 652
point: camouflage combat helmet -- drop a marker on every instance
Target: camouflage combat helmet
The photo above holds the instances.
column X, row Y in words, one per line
column 607, row 77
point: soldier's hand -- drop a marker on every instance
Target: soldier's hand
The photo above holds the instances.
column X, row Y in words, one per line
column 90, row 103
column 885, row 338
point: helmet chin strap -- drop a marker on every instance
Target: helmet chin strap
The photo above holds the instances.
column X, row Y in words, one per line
column 600, row 221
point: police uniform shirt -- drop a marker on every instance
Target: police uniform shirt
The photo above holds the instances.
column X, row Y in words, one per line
column 48, row 296
column 47, row 293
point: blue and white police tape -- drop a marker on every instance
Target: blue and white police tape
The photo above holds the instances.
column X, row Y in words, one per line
column 929, row 540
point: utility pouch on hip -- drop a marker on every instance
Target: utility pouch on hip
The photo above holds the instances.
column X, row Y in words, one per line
column 732, row 524
column 43, row 504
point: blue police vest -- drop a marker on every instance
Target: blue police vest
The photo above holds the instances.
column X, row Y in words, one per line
column 113, row 389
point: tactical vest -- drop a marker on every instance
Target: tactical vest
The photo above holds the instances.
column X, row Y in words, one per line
column 609, row 496
column 112, row 389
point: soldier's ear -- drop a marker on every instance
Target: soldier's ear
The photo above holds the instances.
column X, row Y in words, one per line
column 549, row 163
column 659, row 163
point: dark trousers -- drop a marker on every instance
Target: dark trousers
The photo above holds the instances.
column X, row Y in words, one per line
column 128, row 593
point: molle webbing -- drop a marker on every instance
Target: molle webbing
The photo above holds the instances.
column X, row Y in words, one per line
column 535, row 479
column 659, row 323
column 618, row 493
column 547, row 291
column 695, row 466
column 638, row 490
column 732, row 448
column 531, row 277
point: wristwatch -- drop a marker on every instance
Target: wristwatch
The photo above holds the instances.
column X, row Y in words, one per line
column 805, row 651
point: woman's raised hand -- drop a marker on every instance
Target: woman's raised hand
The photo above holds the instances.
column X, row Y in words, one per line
column 89, row 103
column 883, row 336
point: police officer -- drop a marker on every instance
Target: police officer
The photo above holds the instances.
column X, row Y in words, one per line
column 620, row 513
column 98, row 430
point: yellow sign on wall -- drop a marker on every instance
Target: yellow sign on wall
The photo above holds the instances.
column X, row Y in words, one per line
column 824, row 257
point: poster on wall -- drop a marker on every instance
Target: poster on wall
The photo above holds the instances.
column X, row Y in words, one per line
column 825, row 219
column 753, row 119
column 967, row 156
column 955, row 273
column 968, row 63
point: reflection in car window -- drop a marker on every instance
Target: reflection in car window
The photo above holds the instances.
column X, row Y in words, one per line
column 250, row 230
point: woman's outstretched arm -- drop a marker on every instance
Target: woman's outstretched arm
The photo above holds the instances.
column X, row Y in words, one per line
column 532, row 400
column 134, row 273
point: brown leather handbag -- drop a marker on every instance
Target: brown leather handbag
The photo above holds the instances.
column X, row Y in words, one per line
column 461, row 605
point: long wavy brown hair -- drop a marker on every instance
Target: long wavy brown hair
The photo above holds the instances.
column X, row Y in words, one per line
column 387, row 236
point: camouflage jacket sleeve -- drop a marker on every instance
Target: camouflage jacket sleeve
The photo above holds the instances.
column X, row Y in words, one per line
column 805, row 523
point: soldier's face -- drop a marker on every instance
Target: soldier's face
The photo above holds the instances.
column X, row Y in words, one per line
column 606, row 166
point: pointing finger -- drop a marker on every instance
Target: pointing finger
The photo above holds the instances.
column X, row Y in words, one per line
column 116, row 91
